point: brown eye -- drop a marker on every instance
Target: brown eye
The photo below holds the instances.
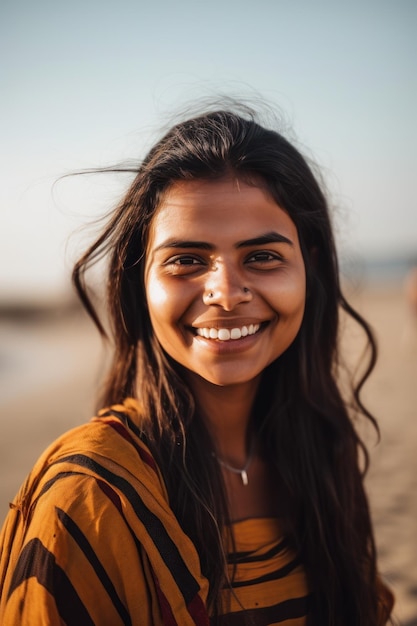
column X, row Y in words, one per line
column 186, row 260
column 184, row 264
column 264, row 257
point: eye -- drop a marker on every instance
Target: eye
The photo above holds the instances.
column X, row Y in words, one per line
column 184, row 264
column 265, row 258
column 185, row 260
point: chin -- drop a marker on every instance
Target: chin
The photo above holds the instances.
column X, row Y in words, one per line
column 230, row 380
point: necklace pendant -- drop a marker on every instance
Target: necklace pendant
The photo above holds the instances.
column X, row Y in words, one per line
column 244, row 477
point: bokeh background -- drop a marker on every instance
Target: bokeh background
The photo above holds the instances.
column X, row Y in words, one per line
column 89, row 84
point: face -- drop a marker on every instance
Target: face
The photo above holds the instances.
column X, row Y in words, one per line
column 225, row 279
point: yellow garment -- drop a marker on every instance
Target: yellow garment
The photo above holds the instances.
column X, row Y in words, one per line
column 90, row 539
column 269, row 583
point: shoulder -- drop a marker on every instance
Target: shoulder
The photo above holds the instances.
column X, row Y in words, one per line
column 96, row 479
column 108, row 449
column 95, row 502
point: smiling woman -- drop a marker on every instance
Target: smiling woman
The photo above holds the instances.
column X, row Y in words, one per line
column 224, row 302
column 221, row 484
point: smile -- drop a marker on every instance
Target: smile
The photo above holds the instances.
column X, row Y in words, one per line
column 228, row 334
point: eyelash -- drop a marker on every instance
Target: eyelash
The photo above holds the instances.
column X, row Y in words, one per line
column 266, row 257
column 184, row 264
column 184, row 257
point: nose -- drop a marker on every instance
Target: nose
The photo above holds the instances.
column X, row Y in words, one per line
column 226, row 288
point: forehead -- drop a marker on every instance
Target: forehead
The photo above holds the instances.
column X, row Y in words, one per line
column 229, row 207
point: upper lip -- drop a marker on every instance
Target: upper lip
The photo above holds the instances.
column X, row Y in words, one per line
column 229, row 324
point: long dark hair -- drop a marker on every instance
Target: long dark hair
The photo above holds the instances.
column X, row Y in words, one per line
column 302, row 420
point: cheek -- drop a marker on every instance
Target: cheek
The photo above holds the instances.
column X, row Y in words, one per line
column 158, row 306
column 289, row 299
column 165, row 306
column 156, row 293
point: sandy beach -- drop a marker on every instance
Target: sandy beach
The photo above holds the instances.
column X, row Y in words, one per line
column 50, row 367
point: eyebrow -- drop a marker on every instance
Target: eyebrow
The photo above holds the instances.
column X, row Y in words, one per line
column 270, row 237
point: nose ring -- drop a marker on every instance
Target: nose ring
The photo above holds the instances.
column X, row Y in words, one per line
column 210, row 294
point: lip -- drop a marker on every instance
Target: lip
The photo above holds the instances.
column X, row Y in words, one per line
column 228, row 322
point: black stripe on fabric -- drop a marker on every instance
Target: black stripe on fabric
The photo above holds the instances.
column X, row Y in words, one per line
column 252, row 557
column 124, row 421
column 124, row 418
column 94, row 561
column 113, row 496
column 123, row 431
column 276, row 575
column 36, row 561
column 289, row 609
column 166, row 547
column 50, row 483
column 107, row 490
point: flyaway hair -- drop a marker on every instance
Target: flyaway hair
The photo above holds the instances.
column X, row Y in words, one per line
column 300, row 417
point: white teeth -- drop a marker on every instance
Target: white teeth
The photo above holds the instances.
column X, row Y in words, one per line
column 224, row 334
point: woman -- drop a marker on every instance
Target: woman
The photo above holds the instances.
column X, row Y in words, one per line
column 223, row 484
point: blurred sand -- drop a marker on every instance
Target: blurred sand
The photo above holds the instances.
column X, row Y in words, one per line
column 391, row 395
column 50, row 368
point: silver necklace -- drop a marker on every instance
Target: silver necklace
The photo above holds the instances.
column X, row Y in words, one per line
column 243, row 472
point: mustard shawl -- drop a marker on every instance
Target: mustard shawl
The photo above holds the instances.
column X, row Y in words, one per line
column 90, row 538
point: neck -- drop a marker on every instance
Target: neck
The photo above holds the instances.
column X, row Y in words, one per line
column 227, row 412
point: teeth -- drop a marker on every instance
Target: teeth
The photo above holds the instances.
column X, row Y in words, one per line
column 226, row 334
column 223, row 334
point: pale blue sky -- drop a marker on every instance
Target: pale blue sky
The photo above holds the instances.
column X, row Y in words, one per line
column 87, row 83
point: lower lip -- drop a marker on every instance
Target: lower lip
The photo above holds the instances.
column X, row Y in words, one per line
column 232, row 346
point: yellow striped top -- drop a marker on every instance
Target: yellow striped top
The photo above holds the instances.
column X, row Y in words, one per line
column 269, row 584
column 91, row 539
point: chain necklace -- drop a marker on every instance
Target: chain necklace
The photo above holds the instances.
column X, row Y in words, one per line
column 242, row 472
